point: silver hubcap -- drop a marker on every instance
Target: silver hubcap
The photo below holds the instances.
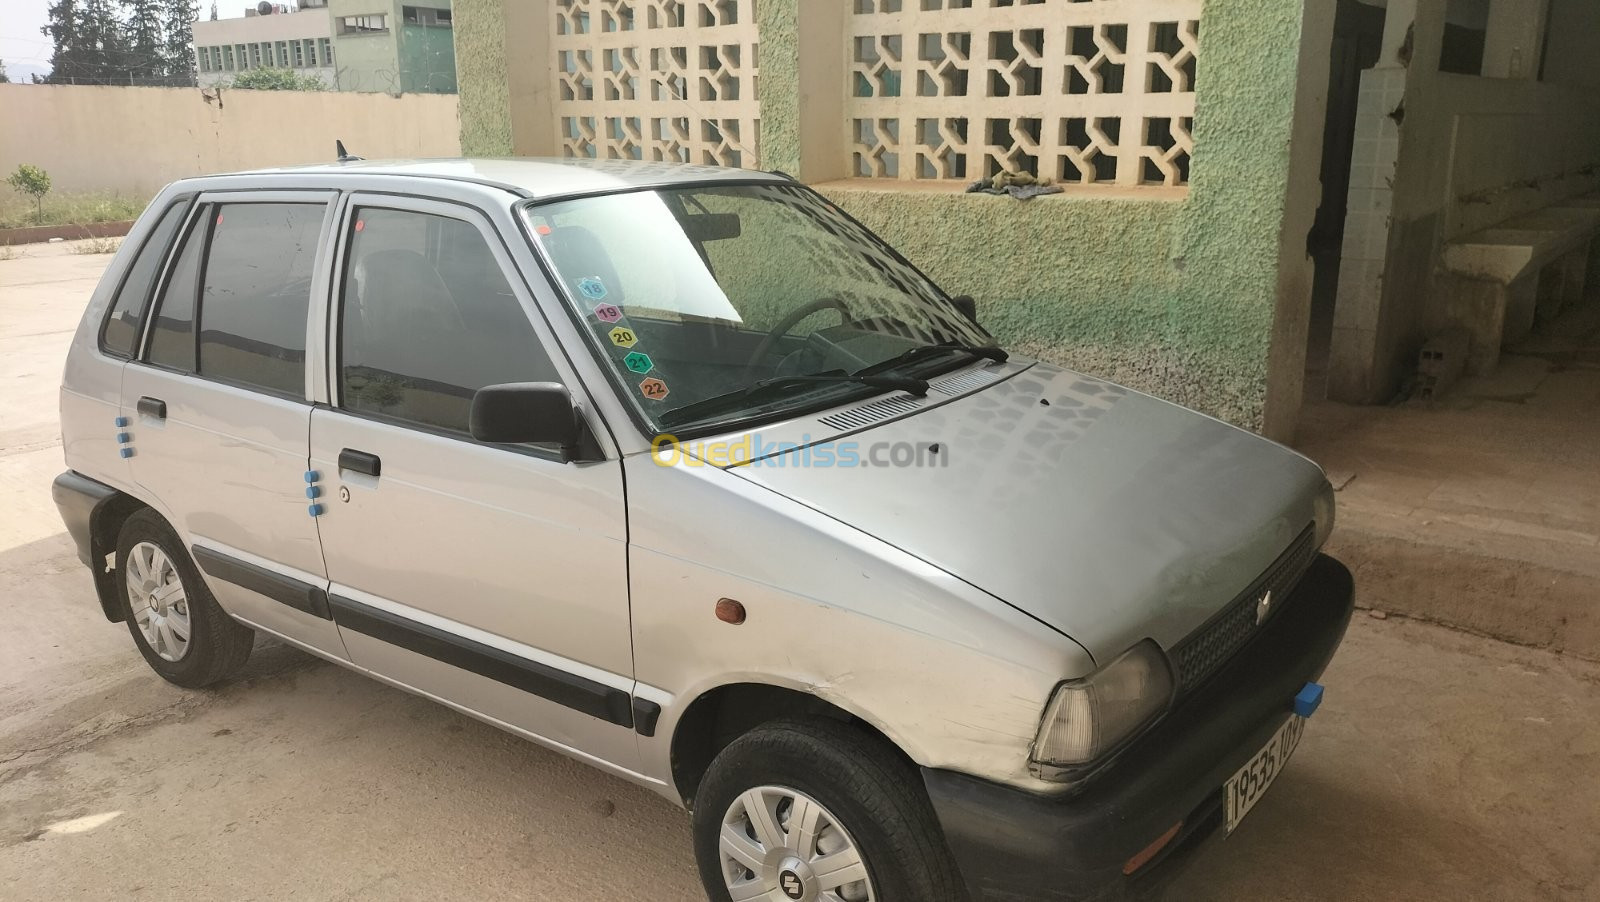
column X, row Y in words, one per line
column 781, row 845
column 160, row 606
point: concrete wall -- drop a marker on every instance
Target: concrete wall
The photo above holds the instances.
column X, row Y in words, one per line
column 1198, row 294
column 135, row 140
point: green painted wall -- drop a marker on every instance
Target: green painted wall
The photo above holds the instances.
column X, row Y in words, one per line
column 485, row 95
column 427, row 59
column 1174, row 295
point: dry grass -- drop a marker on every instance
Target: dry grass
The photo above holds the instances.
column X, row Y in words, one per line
column 7, row 252
column 16, row 211
column 97, row 246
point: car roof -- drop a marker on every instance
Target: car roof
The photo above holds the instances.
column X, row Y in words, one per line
column 534, row 177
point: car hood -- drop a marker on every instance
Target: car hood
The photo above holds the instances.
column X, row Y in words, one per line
column 1107, row 514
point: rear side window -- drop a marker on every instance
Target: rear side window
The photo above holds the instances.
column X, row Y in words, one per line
column 121, row 332
column 428, row 319
column 257, row 290
column 172, row 332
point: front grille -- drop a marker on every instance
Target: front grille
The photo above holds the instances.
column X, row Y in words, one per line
column 1209, row 647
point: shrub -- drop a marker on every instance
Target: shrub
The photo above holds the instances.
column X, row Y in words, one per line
column 34, row 182
column 277, row 80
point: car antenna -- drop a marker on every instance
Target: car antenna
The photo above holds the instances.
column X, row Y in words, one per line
column 344, row 155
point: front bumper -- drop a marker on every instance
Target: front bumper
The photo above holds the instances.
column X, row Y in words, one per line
column 1014, row 845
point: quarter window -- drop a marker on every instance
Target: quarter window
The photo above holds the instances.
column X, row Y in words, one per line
column 121, row 332
column 428, row 319
column 256, row 295
column 172, row 333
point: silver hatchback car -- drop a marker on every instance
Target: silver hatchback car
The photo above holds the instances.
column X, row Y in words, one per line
column 683, row 472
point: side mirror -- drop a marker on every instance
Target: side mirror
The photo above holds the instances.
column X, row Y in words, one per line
column 526, row 412
column 967, row 306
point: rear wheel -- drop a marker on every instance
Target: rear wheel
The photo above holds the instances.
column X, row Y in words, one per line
column 815, row 810
column 176, row 622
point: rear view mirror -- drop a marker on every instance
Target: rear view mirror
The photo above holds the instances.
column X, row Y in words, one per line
column 967, row 306
column 526, row 413
column 703, row 227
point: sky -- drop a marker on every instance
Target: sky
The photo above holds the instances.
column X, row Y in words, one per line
column 25, row 50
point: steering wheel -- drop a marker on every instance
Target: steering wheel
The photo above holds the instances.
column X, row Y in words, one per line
column 787, row 323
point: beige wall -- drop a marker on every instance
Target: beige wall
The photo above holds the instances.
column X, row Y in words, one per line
column 135, row 140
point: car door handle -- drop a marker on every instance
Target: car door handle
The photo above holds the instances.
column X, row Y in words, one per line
column 359, row 462
column 152, row 407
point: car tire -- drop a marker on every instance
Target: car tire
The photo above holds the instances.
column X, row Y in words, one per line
column 870, row 800
column 163, row 595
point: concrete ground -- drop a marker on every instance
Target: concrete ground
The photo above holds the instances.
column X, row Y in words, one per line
column 1481, row 510
column 1443, row 766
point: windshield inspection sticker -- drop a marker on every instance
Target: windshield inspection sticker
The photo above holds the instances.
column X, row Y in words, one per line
column 653, row 388
column 608, row 313
column 639, row 362
column 592, row 288
column 623, row 337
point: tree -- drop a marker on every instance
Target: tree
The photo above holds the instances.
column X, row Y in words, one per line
column 89, row 44
column 146, row 41
column 3, row 77
column 277, row 80
column 34, row 182
column 179, row 20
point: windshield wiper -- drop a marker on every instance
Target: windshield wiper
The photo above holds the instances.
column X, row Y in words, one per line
column 922, row 352
column 775, row 384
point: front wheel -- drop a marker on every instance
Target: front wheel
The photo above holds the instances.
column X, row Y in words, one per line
column 178, row 626
column 815, row 810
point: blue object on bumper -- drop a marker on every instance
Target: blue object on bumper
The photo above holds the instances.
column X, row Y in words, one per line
column 1309, row 699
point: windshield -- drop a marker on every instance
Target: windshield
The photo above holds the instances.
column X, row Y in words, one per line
column 705, row 302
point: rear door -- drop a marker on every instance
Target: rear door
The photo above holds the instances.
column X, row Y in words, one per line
column 492, row 577
column 220, row 409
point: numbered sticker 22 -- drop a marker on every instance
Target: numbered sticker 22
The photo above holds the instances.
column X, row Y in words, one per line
column 653, row 388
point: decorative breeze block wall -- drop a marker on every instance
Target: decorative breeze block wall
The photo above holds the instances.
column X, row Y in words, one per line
column 665, row 80
column 1081, row 91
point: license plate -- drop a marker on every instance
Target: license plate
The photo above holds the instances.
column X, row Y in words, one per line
column 1245, row 788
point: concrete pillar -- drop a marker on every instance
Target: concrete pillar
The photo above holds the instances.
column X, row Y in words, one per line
column 1291, row 321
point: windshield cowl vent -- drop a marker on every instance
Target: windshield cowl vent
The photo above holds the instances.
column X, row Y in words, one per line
column 872, row 412
column 964, row 382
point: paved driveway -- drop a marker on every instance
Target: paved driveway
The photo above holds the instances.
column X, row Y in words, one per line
column 1442, row 767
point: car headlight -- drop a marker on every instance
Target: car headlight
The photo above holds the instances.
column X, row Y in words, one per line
column 1323, row 510
column 1089, row 717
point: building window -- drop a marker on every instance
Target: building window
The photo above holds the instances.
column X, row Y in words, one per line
column 227, row 58
column 255, row 56
column 427, row 16
column 203, row 59
column 283, row 55
column 325, row 51
column 1094, row 93
column 374, row 24
column 299, row 55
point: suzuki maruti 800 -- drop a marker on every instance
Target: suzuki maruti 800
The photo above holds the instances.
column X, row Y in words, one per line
column 684, row 473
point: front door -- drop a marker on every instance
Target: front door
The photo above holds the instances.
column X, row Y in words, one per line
column 493, row 578
column 219, row 411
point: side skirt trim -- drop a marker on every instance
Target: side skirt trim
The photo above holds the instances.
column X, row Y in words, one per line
column 578, row 693
column 297, row 594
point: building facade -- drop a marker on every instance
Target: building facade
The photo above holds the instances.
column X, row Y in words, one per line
column 394, row 47
column 300, row 40
column 1208, row 150
column 350, row 45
